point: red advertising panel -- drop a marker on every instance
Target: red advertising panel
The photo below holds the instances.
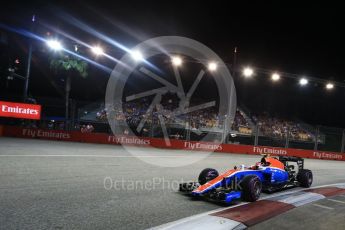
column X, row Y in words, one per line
column 103, row 138
column 20, row 110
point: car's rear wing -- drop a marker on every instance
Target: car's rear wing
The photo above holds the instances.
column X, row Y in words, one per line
column 298, row 160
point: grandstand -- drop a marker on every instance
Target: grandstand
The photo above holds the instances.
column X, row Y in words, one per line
column 270, row 130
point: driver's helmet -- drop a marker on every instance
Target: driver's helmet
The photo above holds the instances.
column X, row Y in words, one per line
column 261, row 165
column 257, row 166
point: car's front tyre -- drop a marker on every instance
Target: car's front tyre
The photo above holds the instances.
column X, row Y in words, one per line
column 251, row 188
column 207, row 175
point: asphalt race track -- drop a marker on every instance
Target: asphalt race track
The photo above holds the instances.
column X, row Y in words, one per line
column 328, row 213
column 62, row 185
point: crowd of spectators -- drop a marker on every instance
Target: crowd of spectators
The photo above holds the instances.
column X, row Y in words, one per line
column 280, row 128
column 133, row 112
column 87, row 128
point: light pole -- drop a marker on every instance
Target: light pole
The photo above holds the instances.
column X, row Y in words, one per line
column 28, row 66
column 234, row 63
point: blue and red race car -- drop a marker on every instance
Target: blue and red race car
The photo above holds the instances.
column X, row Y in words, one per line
column 247, row 183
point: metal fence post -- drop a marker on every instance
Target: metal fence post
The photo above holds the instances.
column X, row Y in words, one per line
column 317, row 133
column 73, row 114
column 152, row 125
column 343, row 142
column 256, row 138
column 287, row 137
column 225, row 129
column 189, row 127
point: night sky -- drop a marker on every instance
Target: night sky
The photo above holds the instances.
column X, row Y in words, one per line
column 303, row 40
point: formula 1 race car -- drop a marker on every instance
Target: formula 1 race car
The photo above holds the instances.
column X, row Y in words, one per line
column 247, row 183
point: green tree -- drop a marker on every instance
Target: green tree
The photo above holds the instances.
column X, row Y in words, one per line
column 69, row 67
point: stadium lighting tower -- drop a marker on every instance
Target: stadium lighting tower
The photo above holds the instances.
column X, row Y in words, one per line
column 248, row 72
column 303, row 81
column 275, row 77
column 137, row 55
column 97, row 50
column 28, row 67
column 176, row 61
column 329, row 86
column 212, row 66
column 54, row 45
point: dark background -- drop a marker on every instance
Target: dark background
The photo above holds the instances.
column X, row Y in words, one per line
column 303, row 40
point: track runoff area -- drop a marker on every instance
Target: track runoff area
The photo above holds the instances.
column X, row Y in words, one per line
column 65, row 185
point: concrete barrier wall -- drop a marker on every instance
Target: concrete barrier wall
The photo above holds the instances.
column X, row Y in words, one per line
column 102, row 138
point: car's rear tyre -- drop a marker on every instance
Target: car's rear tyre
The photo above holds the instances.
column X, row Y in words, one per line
column 251, row 188
column 305, row 178
column 207, row 175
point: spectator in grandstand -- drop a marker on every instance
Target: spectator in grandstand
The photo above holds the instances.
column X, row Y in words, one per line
column 51, row 125
column 126, row 132
column 89, row 128
column 145, row 132
column 176, row 136
column 240, row 124
column 77, row 126
column 61, row 125
column 102, row 115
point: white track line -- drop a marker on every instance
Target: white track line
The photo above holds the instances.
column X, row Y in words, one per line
column 93, row 155
column 298, row 189
column 179, row 224
column 115, row 156
column 205, row 223
column 297, row 199
column 323, row 206
column 337, row 201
